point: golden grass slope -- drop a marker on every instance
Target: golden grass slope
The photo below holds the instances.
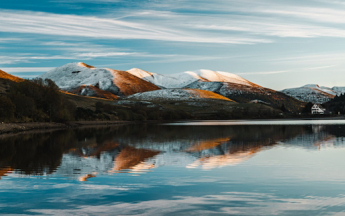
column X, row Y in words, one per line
column 208, row 94
column 4, row 75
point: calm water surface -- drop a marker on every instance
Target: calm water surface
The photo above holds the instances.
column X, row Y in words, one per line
column 199, row 168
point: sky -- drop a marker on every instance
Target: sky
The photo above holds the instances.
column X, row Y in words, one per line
column 275, row 43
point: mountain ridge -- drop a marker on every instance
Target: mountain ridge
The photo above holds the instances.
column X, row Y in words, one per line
column 125, row 83
column 180, row 80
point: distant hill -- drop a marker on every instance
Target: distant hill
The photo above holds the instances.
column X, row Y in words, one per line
column 314, row 93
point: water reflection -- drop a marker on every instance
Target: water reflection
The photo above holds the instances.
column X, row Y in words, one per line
column 133, row 159
column 81, row 153
column 5, row 171
column 175, row 170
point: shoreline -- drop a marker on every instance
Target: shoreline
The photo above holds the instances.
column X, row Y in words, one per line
column 13, row 128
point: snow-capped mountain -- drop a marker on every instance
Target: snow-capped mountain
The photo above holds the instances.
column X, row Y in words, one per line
column 74, row 75
column 226, row 84
column 180, row 80
column 85, row 80
column 314, row 93
column 177, row 94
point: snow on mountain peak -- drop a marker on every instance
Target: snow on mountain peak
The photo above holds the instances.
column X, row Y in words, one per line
column 180, row 80
column 140, row 73
column 220, row 76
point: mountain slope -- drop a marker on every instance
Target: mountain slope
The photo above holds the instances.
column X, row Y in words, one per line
column 74, row 75
column 4, row 75
column 313, row 93
column 177, row 94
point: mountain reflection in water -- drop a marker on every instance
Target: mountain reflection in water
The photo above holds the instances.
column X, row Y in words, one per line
column 85, row 153
column 175, row 170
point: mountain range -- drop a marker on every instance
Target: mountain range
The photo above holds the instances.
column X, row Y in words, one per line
column 84, row 79
column 136, row 84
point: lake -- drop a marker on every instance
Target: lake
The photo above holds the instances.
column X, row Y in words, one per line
column 183, row 168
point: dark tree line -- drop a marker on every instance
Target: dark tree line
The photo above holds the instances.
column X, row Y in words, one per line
column 35, row 100
column 337, row 104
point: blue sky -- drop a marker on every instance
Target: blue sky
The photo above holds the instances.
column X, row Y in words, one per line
column 274, row 43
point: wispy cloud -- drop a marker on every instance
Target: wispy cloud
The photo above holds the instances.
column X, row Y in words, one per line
column 107, row 28
column 295, row 70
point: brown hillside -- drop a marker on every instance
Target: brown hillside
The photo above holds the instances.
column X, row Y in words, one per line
column 209, row 95
column 4, row 75
column 130, row 84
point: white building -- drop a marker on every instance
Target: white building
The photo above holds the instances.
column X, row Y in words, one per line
column 317, row 109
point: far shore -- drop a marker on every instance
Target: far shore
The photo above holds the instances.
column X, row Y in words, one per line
column 6, row 128
column 14, row 128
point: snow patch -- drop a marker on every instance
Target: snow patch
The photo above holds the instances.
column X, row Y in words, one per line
column 177, row 95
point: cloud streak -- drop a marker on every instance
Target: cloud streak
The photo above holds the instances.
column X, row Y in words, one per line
column 106, row 28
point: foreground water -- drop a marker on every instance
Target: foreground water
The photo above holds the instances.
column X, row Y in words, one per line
column 208, row 168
